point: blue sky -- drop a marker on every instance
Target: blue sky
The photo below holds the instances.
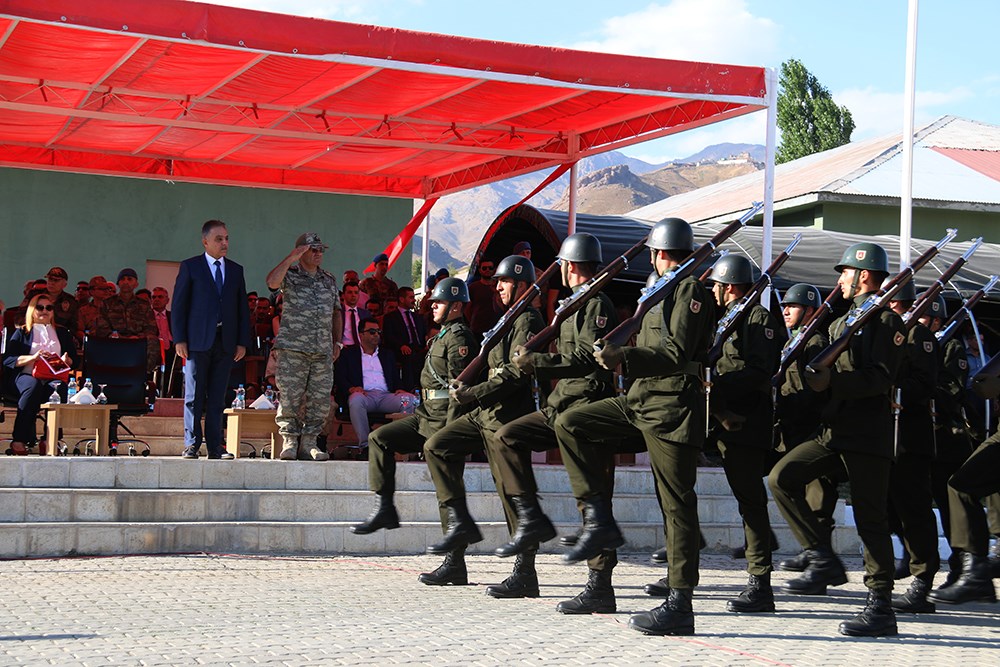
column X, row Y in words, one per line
column 855, row 47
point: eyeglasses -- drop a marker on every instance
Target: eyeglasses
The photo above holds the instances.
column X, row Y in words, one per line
column 44, row 308
column 374, row 332
column 486, row 268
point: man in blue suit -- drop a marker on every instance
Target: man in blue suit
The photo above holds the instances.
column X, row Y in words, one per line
column 211, row 329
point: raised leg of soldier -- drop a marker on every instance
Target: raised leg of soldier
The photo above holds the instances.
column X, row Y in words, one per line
column 910, row 497
column 586, row 436
column 401, row 437
column 445, row 452
column 788, row 479
column 291, row 371
column 316, row 408
column 745, row 468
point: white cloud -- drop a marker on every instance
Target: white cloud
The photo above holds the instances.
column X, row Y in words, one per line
column 721, row 31
column 878, row 112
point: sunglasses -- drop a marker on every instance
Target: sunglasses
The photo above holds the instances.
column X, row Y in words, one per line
column 375, row 332
column 486, row 268
column 317, row 248
column 44, row 308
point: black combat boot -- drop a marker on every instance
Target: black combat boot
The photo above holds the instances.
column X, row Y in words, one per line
column 994, row 559
column 533, row 527
column 600, row 531
column 462, row 529
column 673, row 617
column 756, row 597
column 598, row 597
column 797, row 563
column 902, row 566
column 570, row 540
column 824, row 569
column 974, row 584
column 451, row 571
column 954, row 569
column 658, row 589
column 522, row 582
column 877, row 619
column 914, row 600
column 659, row 556
column 383, row 516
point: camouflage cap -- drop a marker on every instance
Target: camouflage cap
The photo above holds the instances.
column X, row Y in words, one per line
column 310, row 238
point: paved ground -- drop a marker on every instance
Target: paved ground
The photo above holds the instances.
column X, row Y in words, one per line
column 241, row 610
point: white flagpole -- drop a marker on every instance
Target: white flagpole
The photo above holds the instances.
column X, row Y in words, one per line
column 906, row 191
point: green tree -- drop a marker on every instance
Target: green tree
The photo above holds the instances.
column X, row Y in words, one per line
column 415, row 273
column 809, row 119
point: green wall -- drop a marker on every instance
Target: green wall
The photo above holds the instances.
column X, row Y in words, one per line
column 928, row 224
column 98, row 224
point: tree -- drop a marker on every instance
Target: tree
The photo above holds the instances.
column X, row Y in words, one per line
column 415, row 274
column 809, row 119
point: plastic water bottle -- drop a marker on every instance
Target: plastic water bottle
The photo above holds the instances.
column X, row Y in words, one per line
column 269, row 394
column 240, row 402
column 71, row 389
column 88, row 385
column 416, row 398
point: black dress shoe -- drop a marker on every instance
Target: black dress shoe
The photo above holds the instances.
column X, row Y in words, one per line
column 190, row 453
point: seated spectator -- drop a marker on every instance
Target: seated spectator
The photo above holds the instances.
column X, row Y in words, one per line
column 28, row 343
column 251, row 301
column 367, row 376
column 391, row 304
column 374, row 308
column 82, row 295
column 145, row 295
column 405, row 333
column 379, row 286
column 86, row 317
column 262, row 318
column 127, row 316
column 66, row 306
column 351, row 276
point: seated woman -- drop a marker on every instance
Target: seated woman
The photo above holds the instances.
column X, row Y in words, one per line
column 39, row 335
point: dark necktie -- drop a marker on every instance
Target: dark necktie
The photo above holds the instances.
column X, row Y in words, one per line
column 354, row 326
column 411, row 331
column 218, row 276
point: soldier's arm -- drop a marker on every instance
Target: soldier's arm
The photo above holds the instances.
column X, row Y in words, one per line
column 689, row 323
column 954, row 373
column 597, row 318
column 875, row 374
column 922, row 377
column 509, row 379
column 760, row 357
column 461, row 350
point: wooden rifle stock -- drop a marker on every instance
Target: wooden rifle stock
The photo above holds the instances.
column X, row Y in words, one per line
column 794, row 349
column 952, row 326
column 736, row 315
column 579, row 298
column 860, row 316
column 913, row 315
column 666, row 284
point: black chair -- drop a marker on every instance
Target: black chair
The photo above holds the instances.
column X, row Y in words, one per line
column 120, row 365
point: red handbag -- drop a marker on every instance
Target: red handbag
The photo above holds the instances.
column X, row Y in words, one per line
column 49, row 367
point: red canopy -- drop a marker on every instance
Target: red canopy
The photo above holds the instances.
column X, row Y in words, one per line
column 195, row 92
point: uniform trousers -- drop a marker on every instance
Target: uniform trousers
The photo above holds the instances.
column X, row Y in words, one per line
column 398, row 437
column 585, row 434
column 869, row 476
column 977, row 478
column 304, row 380
column 745, row 468
column 910, row 498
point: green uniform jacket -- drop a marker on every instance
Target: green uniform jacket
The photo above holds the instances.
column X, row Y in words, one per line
column 668, row 398
column 949, row 398
column 506, row 394
column 917, row 378
column 742, row 382
column 448, row 355
column 799, row 407
column 859, row 414
column 581, row 380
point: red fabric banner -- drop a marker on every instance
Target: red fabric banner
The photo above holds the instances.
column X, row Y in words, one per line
column 395, row 248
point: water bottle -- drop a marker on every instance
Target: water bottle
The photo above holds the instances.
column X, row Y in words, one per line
column 71, row 389
column 416, row 398
column 88, row 385
column 269, row 394
column 239, row 403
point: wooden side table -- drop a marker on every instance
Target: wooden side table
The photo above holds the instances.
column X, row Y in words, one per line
column 68, row 415
column 252, row 421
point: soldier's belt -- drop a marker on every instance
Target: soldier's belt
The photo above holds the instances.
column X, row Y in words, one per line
column 435, row 394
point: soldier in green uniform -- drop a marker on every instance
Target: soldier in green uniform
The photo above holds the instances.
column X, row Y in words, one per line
column 449, row 353
column 126, row 316
column 305, row 347
column 503, row 397
column 911, row 513
column 580, row 381
column 742, row 412
column 666, row 405
column 798, row 409
column 858, row 431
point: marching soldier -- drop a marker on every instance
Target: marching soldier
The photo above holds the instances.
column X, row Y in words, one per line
column 858, row 431
column 580, row 381
column 502, row 398
column 666, row 405
column 448, row 354
column 910, row 499
column 741, row 405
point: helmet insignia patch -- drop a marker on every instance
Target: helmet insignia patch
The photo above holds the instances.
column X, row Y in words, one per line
column 454, row 290
column 811, row 295
column 518, row 268
column 601, row 321
column 928, row 347
column 860, row 254
column 723, row 269
column 695, row 306
column 463, row 350
column 898, row 339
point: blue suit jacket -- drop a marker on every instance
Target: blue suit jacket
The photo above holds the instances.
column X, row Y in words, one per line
column 196, row 306
column 348, row 373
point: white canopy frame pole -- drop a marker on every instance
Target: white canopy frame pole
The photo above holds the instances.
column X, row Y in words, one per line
column 767, row 238
column 425, row 250
column 571, row 224
column 906, row 189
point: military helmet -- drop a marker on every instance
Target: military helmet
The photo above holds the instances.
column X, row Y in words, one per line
column 938, row 308
column 450, row 289
column 908, row 292
column 516, row 267
column 802, row 294
column 869, row 256
column 581, row 247
column 732, row 270
column 671, row 234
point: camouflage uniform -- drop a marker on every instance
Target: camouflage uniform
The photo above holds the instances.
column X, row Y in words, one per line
column 305, row 359
column 66, row 310
column 86, row 319
column 131, row 319
column 376, row 288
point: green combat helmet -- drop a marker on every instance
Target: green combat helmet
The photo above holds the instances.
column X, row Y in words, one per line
column 732, row 270
column 581, row 247
column 869, row 256
column 516, row 267
column 802, row 294
column 671, row 234
column 450, row 289
column 938, row 308
column 908, row 292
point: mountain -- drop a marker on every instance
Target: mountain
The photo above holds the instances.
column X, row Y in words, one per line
column 612, row 191
column 718, row 152
column 437, row 255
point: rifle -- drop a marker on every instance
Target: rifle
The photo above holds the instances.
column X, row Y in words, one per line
column 791, row 352
column 572, row 304
column 858, row 317
column 666, row 284
column 949, row 330
column 917, row 310
column 708, row 271
column 735, row 316
column 490, row 339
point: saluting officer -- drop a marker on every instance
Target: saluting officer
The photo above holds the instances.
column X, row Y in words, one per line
column 911, row 511
column 741, row 404
column 580, row 381
column 666, row 404
column 798, row 412
column 857, row 430
column 503, row 397
column 448, row 354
